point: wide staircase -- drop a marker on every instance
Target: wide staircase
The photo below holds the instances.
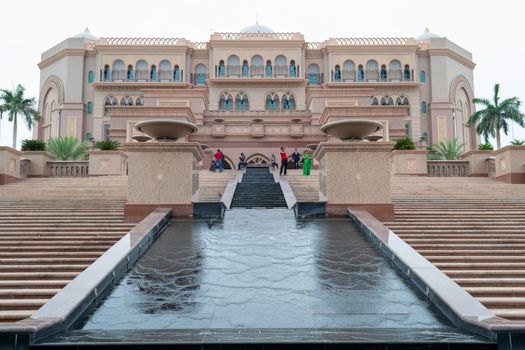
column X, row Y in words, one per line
column 472, row 229
column 305, row 188
column 258, row 189
column 51, row 229
column 212, row 185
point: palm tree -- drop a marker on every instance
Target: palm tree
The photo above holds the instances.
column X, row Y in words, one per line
column 494, row 117
column 15, row 103
column 67, row 148
column 447, row 150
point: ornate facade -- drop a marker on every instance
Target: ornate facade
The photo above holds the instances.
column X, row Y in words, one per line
column 256, row 90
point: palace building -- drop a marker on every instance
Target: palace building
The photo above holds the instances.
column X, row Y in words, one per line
column 256, row 90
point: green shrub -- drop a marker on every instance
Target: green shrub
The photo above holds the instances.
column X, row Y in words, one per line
column 485, row 147
column 447, row 150
column 517, row 142
column 33, row 145
column 67, row 148
column 108, row 145
column 405, row 143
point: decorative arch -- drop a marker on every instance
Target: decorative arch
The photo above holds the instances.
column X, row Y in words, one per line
column 226, row 101
column 272, row 101
column 53, row 82
column 387, row 101
column 126, row 101
column 374, row 101
column 227, row 163
column 257, row 158
column 288, row 101
column 457, row 83
column 402, row 101
column 242, row 101
column 139, row 101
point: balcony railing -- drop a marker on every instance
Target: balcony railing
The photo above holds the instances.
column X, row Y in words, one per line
column 257, row 71
column 198, row 78
column 396, row 75
column 315, row 78
column 141, row 75
column 448, row 168
column 251, row 113
column 68, row 168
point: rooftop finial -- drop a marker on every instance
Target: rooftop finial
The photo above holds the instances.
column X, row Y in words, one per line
column 427, row 30
column 86, row 30
column 257, row 19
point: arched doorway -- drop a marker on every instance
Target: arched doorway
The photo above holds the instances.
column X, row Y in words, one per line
column 257, row 158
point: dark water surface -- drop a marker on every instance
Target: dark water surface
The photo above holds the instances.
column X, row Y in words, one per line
column 263, row 269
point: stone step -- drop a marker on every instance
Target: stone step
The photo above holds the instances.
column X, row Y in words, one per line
column 37, row 275
column 502, row 273
column 22, row 304
column 40, row 293
column 33, row 284
column 9, row 316
column 43, row 268
column 496, row 291
column 467, row 266
column 503, row 302
column 511, row 314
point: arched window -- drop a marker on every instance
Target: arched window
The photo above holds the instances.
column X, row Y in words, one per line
column 139, row 101
column 402, row 101
column 268, row 69
column 105, row 74
column 226, row 101
column 337, row 73
column 129, row 73
column 424, row 136
column 423, row 107
column 257, row 66
column 348, row 70
column 118, row 70
column 272, row 101
column 126, row 101
column 233, row 68
column 384, row 76
column 374, row 101
column 153, row 73
column 281, row 67
column 313, row 74
column 372, row 71
column 292, row 71
column 91, row 76
column 111, row 101
column 222, row 69
column 422, row 77
column 241, row 101
column 288, row 101
column 245, row 69
column 406, row 73
column 176, row 73
column 387, row 101
column 165, row 73
column 360, row 73
column 395, row 70
column 141, row 74
column 89, row 108
column 200, row 74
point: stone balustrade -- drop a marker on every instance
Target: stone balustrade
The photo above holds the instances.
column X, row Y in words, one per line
column 448, row 168
column 67, row 168
column 491, row 166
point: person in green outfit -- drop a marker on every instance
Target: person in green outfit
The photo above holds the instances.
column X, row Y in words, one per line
column 307, row 162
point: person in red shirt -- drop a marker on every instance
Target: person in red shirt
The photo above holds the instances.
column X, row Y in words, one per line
column 219, row 158
column 284, row 161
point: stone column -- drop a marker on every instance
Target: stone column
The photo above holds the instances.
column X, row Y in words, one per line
column 356, row 175
column 9, row 165
column 162, row 175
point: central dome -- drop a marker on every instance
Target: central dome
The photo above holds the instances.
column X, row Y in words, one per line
column 257, row 28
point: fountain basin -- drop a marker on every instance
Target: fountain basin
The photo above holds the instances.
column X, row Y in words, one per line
column 141, row 138
column 166, row 129
column 352, row 129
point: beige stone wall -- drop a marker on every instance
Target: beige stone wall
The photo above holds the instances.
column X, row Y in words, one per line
column 107, row 162
column 409, row 162
column 354, row 172
column 478, row 162
column 9, row 163
column 37, row 162
column 510, row 160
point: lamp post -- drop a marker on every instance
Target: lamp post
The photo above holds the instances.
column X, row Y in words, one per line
column 454, row 121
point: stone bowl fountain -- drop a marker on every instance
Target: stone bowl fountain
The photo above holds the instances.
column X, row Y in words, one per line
column 166, row 129
column 352, row 129
column 141, row 138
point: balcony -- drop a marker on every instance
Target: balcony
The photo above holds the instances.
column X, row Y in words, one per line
column 254, row 114
column 138, row 75
column 351, row 76
column 256, row 71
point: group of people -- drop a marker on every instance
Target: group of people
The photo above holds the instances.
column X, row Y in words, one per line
column 296, row 158
column 218, row 161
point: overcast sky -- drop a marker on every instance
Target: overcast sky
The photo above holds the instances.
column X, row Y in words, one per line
column 491, row 30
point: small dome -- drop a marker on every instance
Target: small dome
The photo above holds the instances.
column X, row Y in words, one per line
column 257, row 28
column 86, row 34
column 427, row 35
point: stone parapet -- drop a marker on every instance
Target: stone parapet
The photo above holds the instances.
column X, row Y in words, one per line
column 9, row 165
column 409, row 162
column 38, row 163
column 478, row 162
column 108, row 162
column 509, row 164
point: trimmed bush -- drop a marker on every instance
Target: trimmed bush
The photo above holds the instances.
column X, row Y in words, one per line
column 405, row 143
column 485, row 147
column 108, row 145
column 33, row 145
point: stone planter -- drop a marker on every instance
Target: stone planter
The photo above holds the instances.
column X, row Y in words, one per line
column 478, row 162
column 38, row 163
column 9, row 165
column 107, row 162
column 409, row 162
column 509, row 164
